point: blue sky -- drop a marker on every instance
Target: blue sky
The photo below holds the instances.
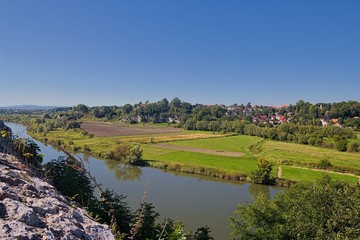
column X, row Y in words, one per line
column 117, row 52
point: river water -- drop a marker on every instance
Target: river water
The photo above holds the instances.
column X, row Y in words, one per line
column 195, row 200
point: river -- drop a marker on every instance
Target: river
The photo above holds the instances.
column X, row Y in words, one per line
column 195, row 200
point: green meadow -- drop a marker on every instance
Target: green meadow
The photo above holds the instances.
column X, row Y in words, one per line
column 195, row 162
column 273, row 151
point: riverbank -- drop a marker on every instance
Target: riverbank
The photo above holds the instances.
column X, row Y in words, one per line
column 198, row 199
column 201, row 163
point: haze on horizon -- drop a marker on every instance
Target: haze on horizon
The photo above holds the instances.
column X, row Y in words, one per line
column 213, row 52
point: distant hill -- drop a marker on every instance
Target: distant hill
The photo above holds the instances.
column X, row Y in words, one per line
column 29, row 107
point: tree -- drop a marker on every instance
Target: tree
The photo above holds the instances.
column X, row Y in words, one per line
column 147, row 228
column 325, row 209
column 81, row 108
column 175, row 103
column 135, row 155
column 203, row 233
column 262, row 173
column 341, row 145
column 70, row 180
column 28, row 150
column 324, row 164
column 354, row 147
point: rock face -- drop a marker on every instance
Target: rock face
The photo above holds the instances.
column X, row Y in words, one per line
column 5, row 137
column 31, row 208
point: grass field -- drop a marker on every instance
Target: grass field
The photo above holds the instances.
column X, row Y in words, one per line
column 280, row 151
column 271, row 150
column 233, row 144
column 298, row 174
column 243, row 164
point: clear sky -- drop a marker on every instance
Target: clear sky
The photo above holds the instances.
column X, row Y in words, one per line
column 235, row 51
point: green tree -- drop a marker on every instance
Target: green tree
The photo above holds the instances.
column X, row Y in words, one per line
column 81, row 108
column 326, row 209
column 147, row 228
column 28, row 150
column 341, row 145
column 70, row 180
column 203, row 233
column 324, row 164
column 353, row 147
column 262, row 173
column 135, row 155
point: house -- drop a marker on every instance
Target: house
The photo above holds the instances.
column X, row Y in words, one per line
column 323, row 123
column 335, row 122
column 263, row 117
column 281, row 118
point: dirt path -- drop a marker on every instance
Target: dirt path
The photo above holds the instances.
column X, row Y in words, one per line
column 200, row 150
column 326, row 171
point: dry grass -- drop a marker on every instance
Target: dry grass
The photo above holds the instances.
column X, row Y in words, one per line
column 102, row 129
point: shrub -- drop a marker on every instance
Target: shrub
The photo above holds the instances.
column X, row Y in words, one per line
column 326, row 209
column 341, row 145
column 262, row 173
column 353, row 147
column 324, row 164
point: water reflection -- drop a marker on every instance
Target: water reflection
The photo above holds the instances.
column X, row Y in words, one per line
column 124, row 171
column 256, row 190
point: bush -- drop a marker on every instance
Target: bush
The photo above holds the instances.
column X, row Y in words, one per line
column 326, row 209
column 341, row 145
column 28, row 150
column 68, row 178
column 324, row 164
column 353, row 147
column 262, row 173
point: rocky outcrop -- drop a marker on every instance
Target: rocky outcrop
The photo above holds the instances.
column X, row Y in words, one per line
column 31, row 208
column 5, row 138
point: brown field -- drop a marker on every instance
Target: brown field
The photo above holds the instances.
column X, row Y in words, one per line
column 200, row 150
column 101, row 129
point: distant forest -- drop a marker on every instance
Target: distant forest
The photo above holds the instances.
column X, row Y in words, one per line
column 304, row 123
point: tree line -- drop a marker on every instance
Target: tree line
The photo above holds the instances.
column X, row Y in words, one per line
column 302, row 125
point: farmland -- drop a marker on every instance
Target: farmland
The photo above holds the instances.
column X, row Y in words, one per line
column 103, row 129
column 207, row 153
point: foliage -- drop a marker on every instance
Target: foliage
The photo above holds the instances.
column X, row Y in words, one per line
column 341, row 145
column 28, row 150
column 324, row 164
column 127, row 154
column 326, row 209
column 113, row 210
column 69, row 178
column 299, row 123
column 262, row 173
column 353, row 147
column 203, row 233
column 147, row 228
column 6, row 140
